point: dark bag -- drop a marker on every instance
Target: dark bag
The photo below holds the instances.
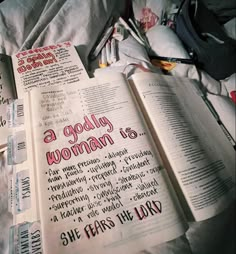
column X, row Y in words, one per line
column 213, row 50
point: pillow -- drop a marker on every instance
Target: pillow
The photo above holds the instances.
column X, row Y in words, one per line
column 164, row 42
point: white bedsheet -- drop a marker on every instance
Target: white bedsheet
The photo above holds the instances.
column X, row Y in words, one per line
column 32, row 23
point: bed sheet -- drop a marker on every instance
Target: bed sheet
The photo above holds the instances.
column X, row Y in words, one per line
column 32, row 23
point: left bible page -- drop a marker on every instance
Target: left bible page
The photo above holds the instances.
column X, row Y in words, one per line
column 7, row 94
column 46, row 66
column 101, row 187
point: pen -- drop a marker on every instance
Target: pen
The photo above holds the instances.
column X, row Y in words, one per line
column 173, row 59
column 143, row 38
column 215, row 114
column 103, row 58
column 104, row 37
column 100, row 45
column 108, row 51
column 131, row 31
column 113, row 51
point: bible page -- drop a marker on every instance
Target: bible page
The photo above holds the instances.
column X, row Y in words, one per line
column 100, row 184
column 201, row 157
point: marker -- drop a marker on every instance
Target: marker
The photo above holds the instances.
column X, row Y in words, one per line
column 103, row 58
column 108, row 51
column 113, row 51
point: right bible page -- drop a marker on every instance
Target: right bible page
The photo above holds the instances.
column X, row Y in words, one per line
column 200, row 156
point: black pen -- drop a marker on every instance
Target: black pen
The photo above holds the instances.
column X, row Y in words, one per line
column 103, row 38
column 173, row 59
column 215, row 114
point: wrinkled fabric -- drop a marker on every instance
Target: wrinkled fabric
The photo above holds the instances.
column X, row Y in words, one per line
column 26, row 24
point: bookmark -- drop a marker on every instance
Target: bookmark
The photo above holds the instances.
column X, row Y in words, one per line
column 16, row 148
column 25, row 237
column 15, row 113
column 22, row 192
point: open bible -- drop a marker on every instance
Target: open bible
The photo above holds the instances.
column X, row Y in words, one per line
column 44, row 66
column 116, row 165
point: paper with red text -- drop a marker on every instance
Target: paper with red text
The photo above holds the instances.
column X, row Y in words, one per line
column 48, row 65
